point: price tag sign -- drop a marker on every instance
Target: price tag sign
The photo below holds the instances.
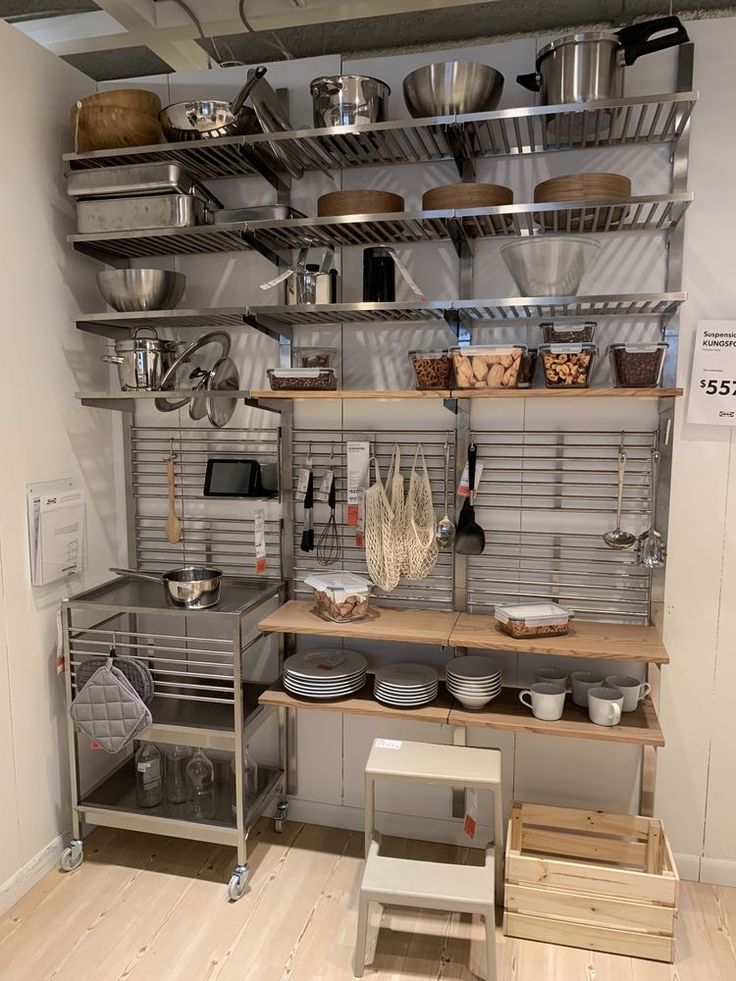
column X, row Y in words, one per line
column 259, row 520
column 712, row 397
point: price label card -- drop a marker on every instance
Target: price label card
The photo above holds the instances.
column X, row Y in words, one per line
column 712, row 396
column 259, row 519
column 358, row 457
column 325, row 485
column 303, row 480
column 465, row 479
column 470, row 823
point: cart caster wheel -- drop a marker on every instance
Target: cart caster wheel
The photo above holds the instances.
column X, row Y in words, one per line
column 238, row 882
column 72, row 856
column 282, row 811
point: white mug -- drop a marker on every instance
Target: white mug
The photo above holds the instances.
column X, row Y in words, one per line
column 632, row 689
column 604, row 706
column 547, row 700
column 556, row 675
column 582, row 682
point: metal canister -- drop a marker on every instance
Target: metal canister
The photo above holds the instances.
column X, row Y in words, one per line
column 344, row 100
column 311, row 284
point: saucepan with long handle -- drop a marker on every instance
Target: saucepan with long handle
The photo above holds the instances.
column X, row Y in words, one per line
column 194, row 587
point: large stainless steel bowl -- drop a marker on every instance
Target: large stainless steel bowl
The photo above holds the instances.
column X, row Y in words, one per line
column 141, row 289
column 450, row 87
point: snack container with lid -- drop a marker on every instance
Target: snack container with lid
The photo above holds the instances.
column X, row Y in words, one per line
column 567, row 365
column 340, row 596
column 562, row 333
column 487, row 366
column 432, row 369
column 533, row 620
column 638, row 365
column 302, row 379
column 527, row 368
column 314, row 357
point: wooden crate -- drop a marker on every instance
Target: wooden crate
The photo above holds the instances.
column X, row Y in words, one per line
column 590, row 879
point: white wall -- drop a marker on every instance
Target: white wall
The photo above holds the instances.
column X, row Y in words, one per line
column 45, row 434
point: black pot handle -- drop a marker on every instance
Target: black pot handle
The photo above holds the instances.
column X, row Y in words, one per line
column 636, row 38
column 532, row 81
column 472, row 454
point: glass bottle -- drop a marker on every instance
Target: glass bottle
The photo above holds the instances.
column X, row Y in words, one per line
column 175, row 781
column 149, row 775
column 250, row 780
column 201, row 782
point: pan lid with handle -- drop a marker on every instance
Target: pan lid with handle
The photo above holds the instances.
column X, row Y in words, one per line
column 219, row 337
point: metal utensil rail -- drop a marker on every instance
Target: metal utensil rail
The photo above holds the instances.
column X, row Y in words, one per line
column 201, row 698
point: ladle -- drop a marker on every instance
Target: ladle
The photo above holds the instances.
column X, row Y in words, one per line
column 445, row 527
column 619, row 538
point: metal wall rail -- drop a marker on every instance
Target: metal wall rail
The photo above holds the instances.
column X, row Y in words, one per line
column 436, row 589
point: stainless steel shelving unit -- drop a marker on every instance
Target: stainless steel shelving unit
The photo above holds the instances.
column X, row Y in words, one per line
column 197, row 662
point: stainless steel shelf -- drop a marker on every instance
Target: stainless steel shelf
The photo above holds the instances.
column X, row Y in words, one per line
column 197, row 240
column 622, row 306
column 653, row 119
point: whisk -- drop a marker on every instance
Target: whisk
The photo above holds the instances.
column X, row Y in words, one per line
column 329, row 549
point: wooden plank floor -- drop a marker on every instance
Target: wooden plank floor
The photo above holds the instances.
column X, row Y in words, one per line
column 144, row 908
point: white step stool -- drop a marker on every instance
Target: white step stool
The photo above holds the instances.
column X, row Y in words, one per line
column 431, row 885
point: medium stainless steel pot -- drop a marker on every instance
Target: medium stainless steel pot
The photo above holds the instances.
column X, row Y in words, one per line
column 344, row 100
column 142, row 361
column 193, row 587
column 589, row 66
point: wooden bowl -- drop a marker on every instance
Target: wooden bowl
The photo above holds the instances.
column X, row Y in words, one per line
column 107, row 128
column 583, row 187
column 466, row 196
column 358, row 203
column 139, row 99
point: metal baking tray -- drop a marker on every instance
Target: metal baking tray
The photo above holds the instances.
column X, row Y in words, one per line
column 136, row 214
column 131, row 180
column 264, row 212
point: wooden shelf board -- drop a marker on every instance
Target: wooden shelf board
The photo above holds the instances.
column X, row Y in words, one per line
column 407, row 626
column 506, row 712
column 606, row 641
column 475, row 393
column 362, row 703
column 352, row 394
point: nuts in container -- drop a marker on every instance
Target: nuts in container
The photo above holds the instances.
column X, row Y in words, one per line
column 313, row 357
column 638, row 365
column 567, row 365
column 562, row 333
column 491, row 366
column 433, row 369
column 533, row 620
column 302, row 379
column 527, row 367
column 340, row 596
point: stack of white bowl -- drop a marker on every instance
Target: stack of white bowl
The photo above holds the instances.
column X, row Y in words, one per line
column 325, row 674
column 473, row 680
column 406, row 685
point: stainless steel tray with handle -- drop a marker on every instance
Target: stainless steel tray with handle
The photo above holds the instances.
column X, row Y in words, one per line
column 145, row 212
column 262, row 212
column 130, row 180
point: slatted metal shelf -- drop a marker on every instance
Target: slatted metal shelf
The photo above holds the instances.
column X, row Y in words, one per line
column 624, row 306
column 653, row 119
column 196, row 240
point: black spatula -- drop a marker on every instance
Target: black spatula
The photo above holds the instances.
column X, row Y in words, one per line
column 470, row 538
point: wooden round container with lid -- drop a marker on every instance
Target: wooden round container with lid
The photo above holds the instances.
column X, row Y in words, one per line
column 582, row 187
column 358, row 203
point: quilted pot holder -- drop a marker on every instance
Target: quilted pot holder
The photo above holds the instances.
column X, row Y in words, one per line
column 108, row 710
column 135, row 670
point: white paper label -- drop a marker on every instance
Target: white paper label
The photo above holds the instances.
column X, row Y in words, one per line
column 465, row 479
column 303, row 480
column 471, row 812
column 399, row 263
column 358, row 457
column 323, row 491
column 387, row 744
column 712, row 396
column 259, row 521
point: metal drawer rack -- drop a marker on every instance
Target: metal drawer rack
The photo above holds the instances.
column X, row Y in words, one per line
column 433, row 592
column 198, row 663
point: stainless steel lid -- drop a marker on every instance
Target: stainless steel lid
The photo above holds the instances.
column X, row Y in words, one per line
column 582, row 37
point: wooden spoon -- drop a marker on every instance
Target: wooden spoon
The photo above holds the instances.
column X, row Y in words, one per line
column 173, row 525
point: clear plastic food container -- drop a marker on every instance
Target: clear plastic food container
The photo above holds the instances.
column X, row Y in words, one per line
column 490, row 366
column 527, row 367
column 314, row 357
column 567, row 365
column 340, row 596
column 568, row 333
column 638, row 365
column 302, row 379
column 432, row 369
column 533, row 620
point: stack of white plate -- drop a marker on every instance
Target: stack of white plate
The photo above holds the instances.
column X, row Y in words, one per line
column 474, row 680
column 325, row 674
column 406, row 685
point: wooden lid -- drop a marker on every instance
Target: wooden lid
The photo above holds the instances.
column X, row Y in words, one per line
column 358, row 203
column 466, row 195
column 578, row 187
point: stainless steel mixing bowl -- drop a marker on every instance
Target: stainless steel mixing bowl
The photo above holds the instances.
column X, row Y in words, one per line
column 450, row 87
column 141, row 289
